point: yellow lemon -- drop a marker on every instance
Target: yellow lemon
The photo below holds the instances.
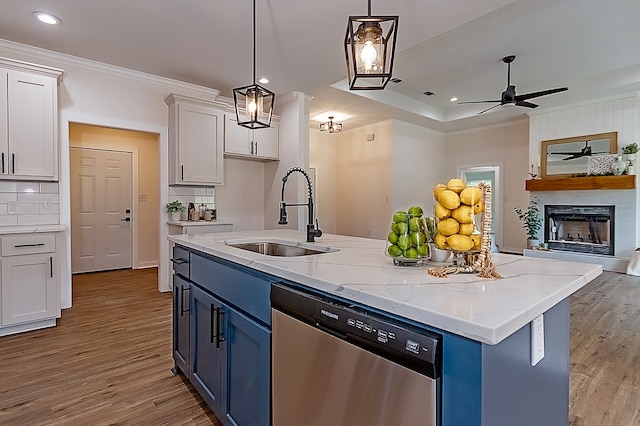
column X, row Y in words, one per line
column 466, row 228
column 471, row 195
column 441, row 212
column 460, row 242
column 478, row 207
column 448, row 226
column 440, row 241
column 463, row 214
column 448, row 199
column 438, row 188
column 477, row 241
column 456, row 185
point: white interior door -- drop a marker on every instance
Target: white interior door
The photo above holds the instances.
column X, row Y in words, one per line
column 100, row 209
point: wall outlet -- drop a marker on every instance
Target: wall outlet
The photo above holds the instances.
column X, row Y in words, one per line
column 13, row 208
column 537, row 340
column 47, row 204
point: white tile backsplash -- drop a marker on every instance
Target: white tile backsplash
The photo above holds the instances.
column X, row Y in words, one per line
column 29, row 203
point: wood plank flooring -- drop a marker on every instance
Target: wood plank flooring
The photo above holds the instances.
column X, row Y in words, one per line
column 108, row 361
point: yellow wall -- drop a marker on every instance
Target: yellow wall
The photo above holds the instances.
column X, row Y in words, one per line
column 148, row 177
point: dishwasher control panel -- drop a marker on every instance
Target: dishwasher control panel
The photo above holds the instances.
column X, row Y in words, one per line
column 406, row 344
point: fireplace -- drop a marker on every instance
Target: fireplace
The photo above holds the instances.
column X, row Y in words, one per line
column 581, row 229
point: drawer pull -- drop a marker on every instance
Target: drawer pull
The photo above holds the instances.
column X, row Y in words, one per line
column 28, row 245
column 51, row 265
column 179, row 261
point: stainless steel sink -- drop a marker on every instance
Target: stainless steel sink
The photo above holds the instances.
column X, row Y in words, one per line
column 279, row 248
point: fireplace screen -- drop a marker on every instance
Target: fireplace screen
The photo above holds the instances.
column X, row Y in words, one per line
column 583, row 229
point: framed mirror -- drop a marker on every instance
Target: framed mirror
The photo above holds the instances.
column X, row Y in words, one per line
column 569, row 156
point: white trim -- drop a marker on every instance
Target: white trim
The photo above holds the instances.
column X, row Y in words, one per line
column 626, row 95
column 490, row 127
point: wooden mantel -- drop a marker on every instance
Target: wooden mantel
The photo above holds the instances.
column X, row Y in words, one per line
column 581, row 183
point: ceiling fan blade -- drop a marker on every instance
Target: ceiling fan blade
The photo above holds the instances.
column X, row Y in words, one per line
column 572, row 157
column 526, row 104
column 532, row 95
column 485, row 110
column 565, row 153
column 478, row 102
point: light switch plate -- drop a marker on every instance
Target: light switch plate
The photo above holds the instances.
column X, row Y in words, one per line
column 537, row 340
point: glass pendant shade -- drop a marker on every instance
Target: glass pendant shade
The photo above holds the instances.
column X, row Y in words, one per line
column 369, row 46
column 254, row 103
column 254, row 106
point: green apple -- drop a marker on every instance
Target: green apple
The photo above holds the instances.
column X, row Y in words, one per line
column 418, row 238
column 414, row 224
column 411, row 253
column 423, row 250
column 401, row 228
column 394, row 251
column 400, row 217
column 415, row 211
column 404, row 241
column 393, row 237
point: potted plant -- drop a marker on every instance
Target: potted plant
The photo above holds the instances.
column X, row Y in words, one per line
column 629, row 154
column 531, row 221
column 175, row 209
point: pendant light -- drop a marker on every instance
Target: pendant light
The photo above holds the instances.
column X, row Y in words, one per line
column 369, row 48
column 254, row 103
column 330, row 126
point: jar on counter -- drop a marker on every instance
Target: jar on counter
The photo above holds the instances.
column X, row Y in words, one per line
column 618, row 167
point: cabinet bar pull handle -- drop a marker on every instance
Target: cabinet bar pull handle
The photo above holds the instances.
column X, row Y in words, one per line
column 28, row 245
column 256, row 145
column 3, row 162
column 179, row 261
column 181, row 172
column 13, row 163
column 183, row 289
column 213, row 317
column 51, row 265
column 219, row 330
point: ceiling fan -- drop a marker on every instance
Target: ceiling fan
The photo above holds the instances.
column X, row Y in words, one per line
column 509, row 96
column 584, row 152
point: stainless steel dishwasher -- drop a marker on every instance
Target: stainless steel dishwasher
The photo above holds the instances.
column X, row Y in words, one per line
column 336, row 363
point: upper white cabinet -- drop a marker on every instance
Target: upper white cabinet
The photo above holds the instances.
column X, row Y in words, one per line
column 196, row 137
column 259, row 144
column 28, row 121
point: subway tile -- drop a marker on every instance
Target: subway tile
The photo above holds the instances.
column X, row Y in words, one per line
column 49, row 187
column 8, row 196
column 28, row 187
column 26, row 209
column 8, row 220
column 30, row 198
column 7, row 186
column 43, row 219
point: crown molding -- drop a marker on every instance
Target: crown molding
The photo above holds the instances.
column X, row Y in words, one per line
column 64, row 59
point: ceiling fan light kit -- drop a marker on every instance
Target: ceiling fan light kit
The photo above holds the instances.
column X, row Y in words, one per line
column 254, row 103
column 369, row 47
column 509, row 97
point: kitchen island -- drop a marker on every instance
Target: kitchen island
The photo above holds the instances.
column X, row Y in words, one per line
column 487, row 377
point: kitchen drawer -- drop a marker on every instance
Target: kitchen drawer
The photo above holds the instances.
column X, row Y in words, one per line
column 28, row 244
column 180, row 261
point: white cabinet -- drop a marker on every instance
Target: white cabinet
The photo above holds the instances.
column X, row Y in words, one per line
column 29, row 286
column 28, row 121
column 258, row 144
column 196, row 137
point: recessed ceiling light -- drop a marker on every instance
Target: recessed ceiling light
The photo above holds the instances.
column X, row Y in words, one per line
column 453, row 99
column 47, row 18
column 263, row 80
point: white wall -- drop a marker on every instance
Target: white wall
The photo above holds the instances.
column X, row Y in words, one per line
column 322, row 157
column 505, row 145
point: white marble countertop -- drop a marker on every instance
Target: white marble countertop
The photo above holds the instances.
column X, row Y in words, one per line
column 30, row 229
column 198, row 222
column 485, row 310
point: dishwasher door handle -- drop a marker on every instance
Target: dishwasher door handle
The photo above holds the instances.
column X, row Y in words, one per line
column 336, row 333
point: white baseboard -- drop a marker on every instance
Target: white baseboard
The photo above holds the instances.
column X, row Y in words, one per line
column 143, row 265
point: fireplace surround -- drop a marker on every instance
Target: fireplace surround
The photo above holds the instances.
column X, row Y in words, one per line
column 580, row 228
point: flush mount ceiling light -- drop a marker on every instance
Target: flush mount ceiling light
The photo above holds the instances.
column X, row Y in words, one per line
column 330, row 126
column 47, row 18
column 254, row 103
column 370, row 46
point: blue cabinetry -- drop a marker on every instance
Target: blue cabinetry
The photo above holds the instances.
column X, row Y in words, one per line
column 229, row 361
column 181, row 340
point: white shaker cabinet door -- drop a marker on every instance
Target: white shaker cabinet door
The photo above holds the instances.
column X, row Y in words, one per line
column 31, row 151
column 237, row 139
column 266, row 142
column 29, row 289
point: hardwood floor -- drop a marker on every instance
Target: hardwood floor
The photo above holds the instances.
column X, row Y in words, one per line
column 108, row 361
column 605, row 352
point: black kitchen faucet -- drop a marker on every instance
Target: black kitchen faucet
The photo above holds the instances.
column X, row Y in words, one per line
column 312, row 230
